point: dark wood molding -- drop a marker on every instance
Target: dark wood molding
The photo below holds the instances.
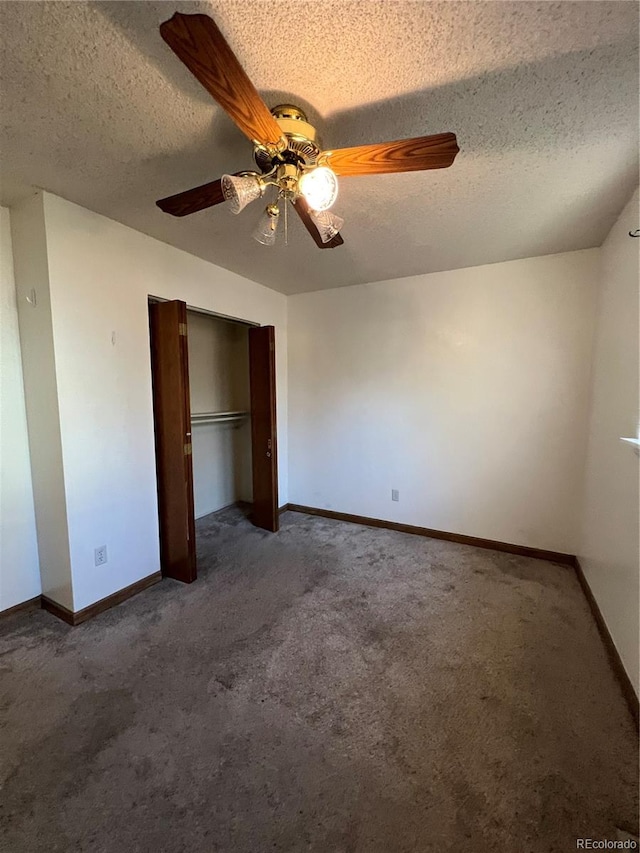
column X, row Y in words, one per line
column 30, row 604
column 521, row 550
column 56, row 609
column 264, row 431
column 168, row 328
column 77, row 617
column 460, row 538
column 628, row 691
column 613, row 654
column 115, row 598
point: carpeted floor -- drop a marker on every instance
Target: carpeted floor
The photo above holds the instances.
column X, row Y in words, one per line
column 335, row 689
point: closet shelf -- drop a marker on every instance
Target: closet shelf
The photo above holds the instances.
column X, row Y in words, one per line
column 218, row 417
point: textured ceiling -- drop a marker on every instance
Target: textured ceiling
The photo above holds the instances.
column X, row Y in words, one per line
column 542, row 96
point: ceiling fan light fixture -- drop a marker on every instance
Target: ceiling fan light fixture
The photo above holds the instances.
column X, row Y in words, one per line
column 265, row 231
column 241, row 190
column 327, row 223
column 319, row 186
column 286, row 147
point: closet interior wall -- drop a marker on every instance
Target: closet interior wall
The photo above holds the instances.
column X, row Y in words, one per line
column 219, row 382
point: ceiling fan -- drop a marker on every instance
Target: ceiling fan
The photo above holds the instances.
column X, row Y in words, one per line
column 286, row 148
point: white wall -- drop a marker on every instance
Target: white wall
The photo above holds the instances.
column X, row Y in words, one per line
column 39, row 372
column 19, row 567
column 466, row 390
column 100, row 275
column 609, row 547
column 219, row 382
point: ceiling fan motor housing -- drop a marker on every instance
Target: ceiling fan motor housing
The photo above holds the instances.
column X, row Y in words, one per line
column 303, row 142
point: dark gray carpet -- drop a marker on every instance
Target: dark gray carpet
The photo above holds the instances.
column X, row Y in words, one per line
column 333, row 688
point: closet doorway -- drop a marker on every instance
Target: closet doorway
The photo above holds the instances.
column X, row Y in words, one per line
column 214, row 408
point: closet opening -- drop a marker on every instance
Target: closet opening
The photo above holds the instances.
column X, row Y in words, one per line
column 215, row 425
column 220, row 413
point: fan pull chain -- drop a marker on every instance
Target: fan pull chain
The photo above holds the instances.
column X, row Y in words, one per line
column 286, row 222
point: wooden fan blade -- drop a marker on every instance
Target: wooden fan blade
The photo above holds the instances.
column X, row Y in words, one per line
column 302, row 208
column 405, row 155
column 191, row 201
column 197, row 41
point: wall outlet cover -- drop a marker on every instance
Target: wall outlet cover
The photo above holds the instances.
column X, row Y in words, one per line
column 100, row 555
column 395, row 495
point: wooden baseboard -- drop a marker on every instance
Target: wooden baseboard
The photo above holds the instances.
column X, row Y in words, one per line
column 521, row 550
column 460, row 538
column 56, row 609
column 78, row 616
column 30, row 604
column 618, row 667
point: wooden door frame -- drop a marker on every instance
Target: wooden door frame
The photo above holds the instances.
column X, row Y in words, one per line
column 264, row 428
column 172, row 433
column 249, row 324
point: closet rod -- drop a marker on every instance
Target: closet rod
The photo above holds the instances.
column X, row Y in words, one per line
column 217, row 417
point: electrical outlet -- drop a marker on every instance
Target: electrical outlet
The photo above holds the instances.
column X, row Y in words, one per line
column 395, row 495
column 100, row 555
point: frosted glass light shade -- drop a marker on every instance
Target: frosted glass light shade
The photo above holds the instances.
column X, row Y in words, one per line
column 266, row 229
column 327, row 223
column 319, row 187
column 239, row 191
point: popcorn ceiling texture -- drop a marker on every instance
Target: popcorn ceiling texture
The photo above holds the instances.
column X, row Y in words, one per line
column 543, row 98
